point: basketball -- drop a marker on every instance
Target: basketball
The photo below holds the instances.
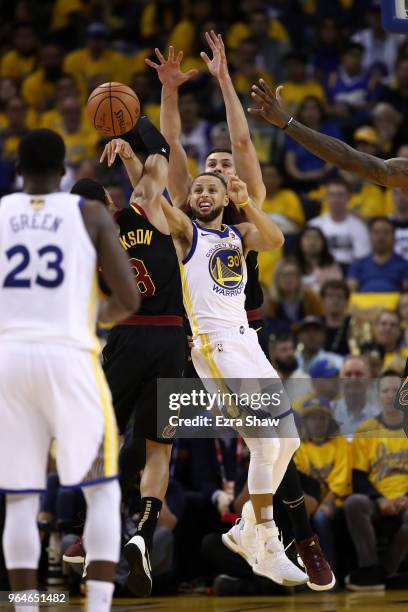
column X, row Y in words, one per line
column 113, row 109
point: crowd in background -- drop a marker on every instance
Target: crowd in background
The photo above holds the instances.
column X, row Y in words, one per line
column 335, row 312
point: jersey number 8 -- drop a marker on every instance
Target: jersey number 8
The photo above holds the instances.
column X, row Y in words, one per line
column 143, row 279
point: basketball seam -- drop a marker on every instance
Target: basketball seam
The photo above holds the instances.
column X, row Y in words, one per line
column 110, row 105
column 96, row 113
column 101, row 93
column 124, row 105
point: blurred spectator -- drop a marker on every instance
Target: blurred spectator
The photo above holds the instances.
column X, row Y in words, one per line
column 282, row 204
column 79, row 140
column 272, row 50
column 380, row 485
column 355, row 406
column 387, row 332
column 366, row 199
column 311, row 334
column 374, row 353
column 349, row 89
column 325, row 56
column 8, row 90
column 399, row 218
column 21, row 60
column 304, row 168
column 66, row 87
column 335, row 295
column 268, row 141
column 403, row 313
column 324, row 382
column 220, row 138
column 380, row 46
column 314, row 259
column 185, row 34
column 244, row 68
column 323, row 455
column 397, row 93
column 11, row 135
column 38, row 89
column 241, row 28
column 289, row 301
column 297, row 86
column 347, row 236
column 390, row 127
column 282, row 354
column 96, row 63
column 383, row 271
column 195, row 132
column 142, row 84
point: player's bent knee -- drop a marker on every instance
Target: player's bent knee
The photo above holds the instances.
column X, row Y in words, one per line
column 102, row 532
column 270, row 449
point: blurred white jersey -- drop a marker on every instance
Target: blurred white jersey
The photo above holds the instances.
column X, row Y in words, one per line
column 214, row 276
column 48, row 282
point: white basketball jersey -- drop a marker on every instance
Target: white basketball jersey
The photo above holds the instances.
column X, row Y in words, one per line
column 214, row 276
column 48, row 283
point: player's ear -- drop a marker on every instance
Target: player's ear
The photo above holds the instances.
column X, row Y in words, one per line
column 63, row 170
column 226, row 199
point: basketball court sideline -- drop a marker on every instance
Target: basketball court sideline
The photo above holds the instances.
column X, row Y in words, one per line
column 304, row 602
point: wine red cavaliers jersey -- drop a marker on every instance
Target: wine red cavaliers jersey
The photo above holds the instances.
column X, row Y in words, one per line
column 154, row 261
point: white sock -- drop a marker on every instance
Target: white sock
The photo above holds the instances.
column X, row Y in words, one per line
column 27, row 608
column 99, row 596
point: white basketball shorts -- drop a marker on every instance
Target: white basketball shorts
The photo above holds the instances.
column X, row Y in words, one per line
column 56, row 392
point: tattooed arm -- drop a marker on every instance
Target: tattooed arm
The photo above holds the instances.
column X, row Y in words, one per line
column 389, row 173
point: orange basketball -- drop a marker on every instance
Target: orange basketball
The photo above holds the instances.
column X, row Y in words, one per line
column 113, row 109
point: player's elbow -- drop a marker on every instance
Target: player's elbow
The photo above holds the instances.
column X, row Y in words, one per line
column 278, row 240
column 242, row 142
column 131, row 300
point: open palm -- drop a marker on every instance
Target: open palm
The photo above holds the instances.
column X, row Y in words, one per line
column 169, row 71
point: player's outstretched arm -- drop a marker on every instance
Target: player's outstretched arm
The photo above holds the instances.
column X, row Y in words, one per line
column 243, row 151
column 117, row 272
column 171, row 78
column 389, row 173
column 132, row 163
column 261, row 233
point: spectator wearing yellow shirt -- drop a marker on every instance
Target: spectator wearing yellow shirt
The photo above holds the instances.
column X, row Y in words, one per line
column 304, row 169
column 380, row 486
column 244, row 27
column 96, row 63
column 66, row 87
column 323, row 455
column 297, row 86
column 390, row 127
column 20, row 61
column 11, row 135
column 387, row 331
column 38, row 89
column 142, row 83
column 245, row 71
column 80, row 142
column 284, row 204
column 8, row 90
column 185, row 34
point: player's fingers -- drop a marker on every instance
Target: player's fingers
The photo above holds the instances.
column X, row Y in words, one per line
column 264, row 85
column 258, row 95
column 205, row 57
column 159, row 56
column 171, row 54
column 221, row 42
column 152, row 64
column 278, row 94
column 255, row 111
column 210, row 41
column 258, row 98
column 179, row 57
column 214, row 38
column 190, row 74
column 104, row 153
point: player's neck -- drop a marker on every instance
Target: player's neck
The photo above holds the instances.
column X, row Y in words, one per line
column 41, row 185
column 215, row 224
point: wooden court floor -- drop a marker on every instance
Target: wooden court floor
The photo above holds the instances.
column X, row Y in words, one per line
column 388, row 601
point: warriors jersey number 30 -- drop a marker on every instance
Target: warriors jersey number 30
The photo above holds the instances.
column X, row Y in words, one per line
column 214, row 276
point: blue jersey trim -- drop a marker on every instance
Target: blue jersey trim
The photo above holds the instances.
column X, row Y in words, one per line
column 22, row 491
column 81, row 202
column 221, row 233
column 89, row 483
column 193, row 245
column 235, row 229
column 285, row 414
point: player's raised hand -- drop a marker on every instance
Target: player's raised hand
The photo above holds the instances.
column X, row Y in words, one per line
column 270, row 105
column 115, row 147
column 237, row 191
column 217, row 66
column 169, row 70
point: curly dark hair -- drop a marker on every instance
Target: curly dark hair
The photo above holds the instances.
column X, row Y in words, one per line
column 325, row 258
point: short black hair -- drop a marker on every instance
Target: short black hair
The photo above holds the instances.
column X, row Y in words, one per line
column 218, row 176
column 218, row 151
column 338, row 180
column 41, row 152
column 336, row 285
column 352, row 46
column 282, row 337
column 90, row 189
column 380, row 218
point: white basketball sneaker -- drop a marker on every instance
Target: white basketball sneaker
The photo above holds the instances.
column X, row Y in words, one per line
column 271, row 560
column 241, row 538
